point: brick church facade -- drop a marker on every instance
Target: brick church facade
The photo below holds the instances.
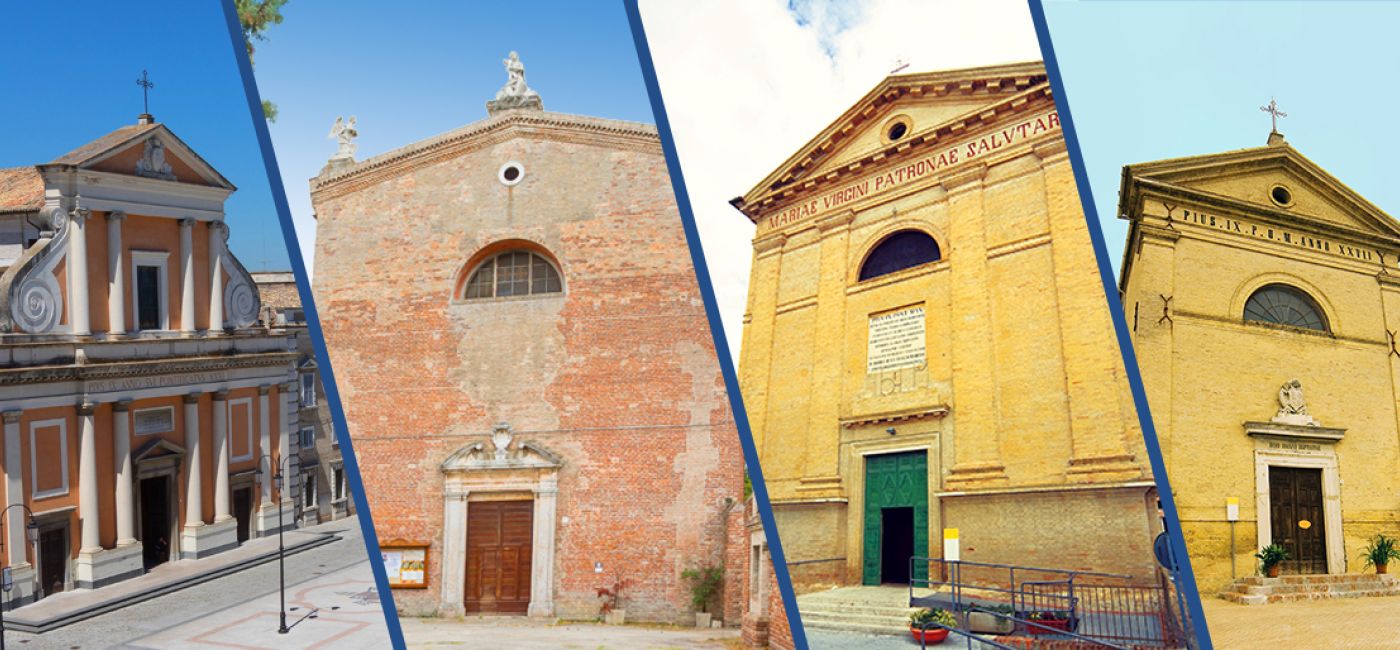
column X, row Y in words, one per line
column 528, row 374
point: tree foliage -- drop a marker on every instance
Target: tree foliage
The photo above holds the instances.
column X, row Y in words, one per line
column 255, row 16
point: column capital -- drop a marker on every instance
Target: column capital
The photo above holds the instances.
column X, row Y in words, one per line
column 86, row 407
column 187, row 222
column 221, row 395
column 288, row 387
column 834, row 221
column 769, row 243
column 264, row 389
column 116, row 215
column 970, row 178
column 121, row 406
column 192, row 398
column 79, row 215
column 1050, row 149
column 11, row 416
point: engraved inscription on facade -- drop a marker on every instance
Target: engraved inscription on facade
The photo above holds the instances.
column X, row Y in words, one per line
column 896, row 340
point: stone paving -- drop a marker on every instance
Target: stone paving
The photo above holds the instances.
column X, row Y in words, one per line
column 1351, row 623
column 240, row 610
column 516, row 632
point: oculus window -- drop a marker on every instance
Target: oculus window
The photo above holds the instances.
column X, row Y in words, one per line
column 1280, row 304
column 905, row 249
column 514, row 273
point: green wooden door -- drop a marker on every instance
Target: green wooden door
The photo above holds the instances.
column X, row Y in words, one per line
column 894, row 481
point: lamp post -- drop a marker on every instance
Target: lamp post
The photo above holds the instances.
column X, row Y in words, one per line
column 278, row 470
column 7, row 581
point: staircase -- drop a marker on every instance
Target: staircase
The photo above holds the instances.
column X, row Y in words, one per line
column 873, row 610
column 1258, row 590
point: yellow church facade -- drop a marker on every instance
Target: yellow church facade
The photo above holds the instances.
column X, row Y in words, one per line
column 927, row 348
column 1264, row 299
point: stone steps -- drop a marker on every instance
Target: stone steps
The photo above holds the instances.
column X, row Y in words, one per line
column 1259, row 590
column 868, row 610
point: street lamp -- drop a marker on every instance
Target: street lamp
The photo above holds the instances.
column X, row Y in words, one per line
column 278, row 470
column 7, row 580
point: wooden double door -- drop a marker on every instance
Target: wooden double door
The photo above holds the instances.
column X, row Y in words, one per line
column 499, row 539
column 1296, row 518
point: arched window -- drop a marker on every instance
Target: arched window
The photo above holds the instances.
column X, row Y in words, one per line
column 902, row 250
column 513, row 273
column 1281, row 304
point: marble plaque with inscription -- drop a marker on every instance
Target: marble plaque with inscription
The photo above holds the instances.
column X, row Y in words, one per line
column 896, row 340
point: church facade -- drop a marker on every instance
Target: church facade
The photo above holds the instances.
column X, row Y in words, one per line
column 1264, row 298
column 928, row 360
column 529, row 377
column 140, row 394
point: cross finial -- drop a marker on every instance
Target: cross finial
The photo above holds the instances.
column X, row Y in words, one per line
column 1274, row 113
column 146, row 85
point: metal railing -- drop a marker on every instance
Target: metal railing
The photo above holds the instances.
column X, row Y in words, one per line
column 1032, row 627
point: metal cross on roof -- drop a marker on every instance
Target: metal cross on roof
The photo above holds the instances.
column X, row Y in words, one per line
column 146, row 85
column 1274, row 112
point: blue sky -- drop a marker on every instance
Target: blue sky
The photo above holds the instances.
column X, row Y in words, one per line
column 1147, row 81
column 71, row 78
column 428, row 68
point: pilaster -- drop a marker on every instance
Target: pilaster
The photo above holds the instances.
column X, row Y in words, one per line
column 116, row 282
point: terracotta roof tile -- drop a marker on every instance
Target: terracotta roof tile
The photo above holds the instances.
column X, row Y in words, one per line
column 21, row 190
column 102, row 145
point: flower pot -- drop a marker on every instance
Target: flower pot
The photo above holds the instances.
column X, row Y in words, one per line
column 1382, row 568
column 616, row 617
column 985, row 623
column 702, row 619
column 931, row 636
column 1056, row 626
column 1273, row 571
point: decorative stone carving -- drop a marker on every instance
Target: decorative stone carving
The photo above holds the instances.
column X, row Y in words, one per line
column 500, row 439
column 344, row 134
column 31, row 299
column 152, row 163
column 1293, row 409
column 241, row 300
column 516, row 93
column 475, row 456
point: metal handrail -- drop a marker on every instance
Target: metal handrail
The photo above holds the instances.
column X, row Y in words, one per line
column 1056, row 630
column 923, row 629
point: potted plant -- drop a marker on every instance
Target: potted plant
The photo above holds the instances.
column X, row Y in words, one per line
column 1271, row 558
column 925, row 625
column 610, row 610
column 705, row 583
column 1380, row 552
column 1051, row 622
column 980, row 620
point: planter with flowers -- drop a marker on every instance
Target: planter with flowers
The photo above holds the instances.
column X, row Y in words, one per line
column 924, row 625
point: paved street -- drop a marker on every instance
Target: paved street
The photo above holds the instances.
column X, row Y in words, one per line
column 829, row 640
column 518, row 633
column 241, row 610
column 1350, row 623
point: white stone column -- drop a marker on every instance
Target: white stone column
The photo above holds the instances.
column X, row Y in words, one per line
column 221, row 452
column 116, row 282
column 77, row 273
column 87, row 480
column 194, row 490
column 121, row 450
column 542, row 551
column 187, row 275
column 216, row 277
column 265, row 444
column 14, row 491
column 454, row 554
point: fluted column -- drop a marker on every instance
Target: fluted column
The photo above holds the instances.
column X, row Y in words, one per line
column 77, row 272
column 116, row 282
column 194, row 490
column 121, row 451
column 14, row 490
column 216, row 277
column 221, row 494
column 187, row 275
column 87, row 480
column 265, row 443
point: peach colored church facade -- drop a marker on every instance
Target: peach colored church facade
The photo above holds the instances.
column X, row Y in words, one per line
column 138, row 392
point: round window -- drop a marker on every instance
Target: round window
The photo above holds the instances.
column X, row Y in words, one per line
column 897, row 131
column 1281, row 195
column 511, row 173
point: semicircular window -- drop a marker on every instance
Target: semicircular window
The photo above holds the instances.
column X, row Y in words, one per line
column 1281, row 304
column 905, row 249
column 513, row 273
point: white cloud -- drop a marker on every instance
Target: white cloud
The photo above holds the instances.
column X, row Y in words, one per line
column 748, row 82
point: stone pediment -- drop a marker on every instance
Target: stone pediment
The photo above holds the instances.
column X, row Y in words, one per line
column 1243, row 181
column 933, row 105
column 519, row 455
column 155, row 449
column 145, row 150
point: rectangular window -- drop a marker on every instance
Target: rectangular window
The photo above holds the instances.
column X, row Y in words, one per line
column 338, row 483
column 156, row 420
column 150, row 286
column 308, row 390
column 308, row 490
column 308, row 438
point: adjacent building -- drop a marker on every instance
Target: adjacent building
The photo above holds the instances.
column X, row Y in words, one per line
column 529, row 377
column 928, row 359
column 139, row 393
column 1264, row 299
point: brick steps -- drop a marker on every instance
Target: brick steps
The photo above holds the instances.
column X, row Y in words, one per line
column 1258, row 590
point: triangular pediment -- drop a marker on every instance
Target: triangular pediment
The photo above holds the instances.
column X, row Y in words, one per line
column 1247, row 179
column 145, row 150
column 156, row 448
column 925, row 103
column 483, row 455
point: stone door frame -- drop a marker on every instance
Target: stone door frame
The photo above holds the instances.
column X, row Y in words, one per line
column 472, row 470
column 1331, row 497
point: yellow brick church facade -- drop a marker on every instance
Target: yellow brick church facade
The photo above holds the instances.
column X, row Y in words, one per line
column 1264, row 299
column 927, row 346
